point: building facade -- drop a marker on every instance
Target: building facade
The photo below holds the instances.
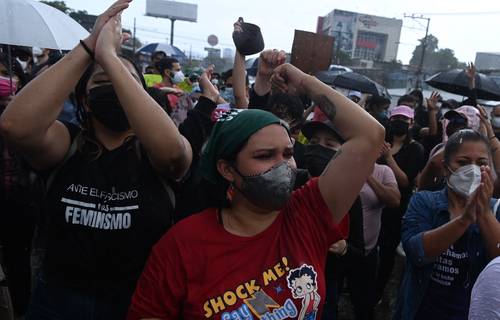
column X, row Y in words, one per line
column 487, row 60
column 362, row 36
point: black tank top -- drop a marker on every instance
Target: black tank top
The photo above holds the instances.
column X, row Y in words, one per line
column 104, row 216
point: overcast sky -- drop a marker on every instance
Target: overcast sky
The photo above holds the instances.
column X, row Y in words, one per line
column 466, row 34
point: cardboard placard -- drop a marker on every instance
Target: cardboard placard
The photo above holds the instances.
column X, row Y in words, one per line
column 312, row 52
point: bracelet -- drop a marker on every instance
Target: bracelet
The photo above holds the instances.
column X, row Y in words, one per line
column 87, row 49
column 492, row 137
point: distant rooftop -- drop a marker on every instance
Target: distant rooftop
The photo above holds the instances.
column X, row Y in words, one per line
column 492, row 53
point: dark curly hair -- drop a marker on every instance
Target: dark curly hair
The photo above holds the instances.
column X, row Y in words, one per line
column 456, row 140
column 87, row 138
column 297, row 273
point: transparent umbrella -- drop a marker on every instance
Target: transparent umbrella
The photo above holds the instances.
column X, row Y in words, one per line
column 35, row 24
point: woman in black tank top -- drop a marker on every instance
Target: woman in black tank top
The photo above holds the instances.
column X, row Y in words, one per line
column 106, row 204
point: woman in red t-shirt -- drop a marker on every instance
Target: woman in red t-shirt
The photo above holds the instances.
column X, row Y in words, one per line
column 262, row 255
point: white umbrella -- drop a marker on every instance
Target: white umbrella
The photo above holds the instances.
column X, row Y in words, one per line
column 34, row 24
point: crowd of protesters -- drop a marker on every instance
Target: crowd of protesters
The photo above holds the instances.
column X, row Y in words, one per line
column 149, row 194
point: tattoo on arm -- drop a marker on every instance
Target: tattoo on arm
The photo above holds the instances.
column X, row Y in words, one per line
column 326, row 106
column 335, row 156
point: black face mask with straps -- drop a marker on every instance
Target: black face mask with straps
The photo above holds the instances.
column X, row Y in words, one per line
column 317, row 158
column 106, row 108
column 398, row 128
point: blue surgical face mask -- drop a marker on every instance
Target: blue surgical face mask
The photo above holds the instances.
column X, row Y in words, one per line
column 384, row 114
column 228, row 95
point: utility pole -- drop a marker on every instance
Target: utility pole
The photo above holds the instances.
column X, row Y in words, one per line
column 134, row 40
column 172, row 31
column 419, row 81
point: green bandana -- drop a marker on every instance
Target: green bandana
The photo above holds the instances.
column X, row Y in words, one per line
column 232, row 129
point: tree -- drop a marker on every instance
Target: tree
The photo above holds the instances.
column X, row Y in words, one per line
column 446, row 59
column 60, row 5
column 343, row 58
column 86, row 20
column 432, row 46
column 435, row 58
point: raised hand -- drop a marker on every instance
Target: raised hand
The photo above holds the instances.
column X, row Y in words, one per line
column 470, row 71
column 433, row 100
column 269, row 60
column 112, row 11
column 237, row 25
column 207, row 88
column 469, row 214
column 109, row 40
column 485, row 192
column 485, row 125
column 386, row 150
column 288, row 79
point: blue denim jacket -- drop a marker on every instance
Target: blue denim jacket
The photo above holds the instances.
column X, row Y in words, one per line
column 428, row 210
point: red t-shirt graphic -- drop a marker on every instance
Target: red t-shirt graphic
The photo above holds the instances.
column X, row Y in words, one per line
column 198, row 270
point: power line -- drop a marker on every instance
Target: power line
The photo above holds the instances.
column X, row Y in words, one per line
column 407, row 44
column 424, row 46
column 179, row 36
column 459, row 13
column 413, row 28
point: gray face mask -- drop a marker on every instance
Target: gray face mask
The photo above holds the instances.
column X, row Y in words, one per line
column 270, row 189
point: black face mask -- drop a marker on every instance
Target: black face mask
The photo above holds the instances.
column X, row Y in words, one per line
column 317, row 158
column 106, row 108
column 453, row 127
column 398, row 128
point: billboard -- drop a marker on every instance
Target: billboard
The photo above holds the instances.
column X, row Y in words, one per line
column 172, row 10
column 344, row 30
column 363, row 36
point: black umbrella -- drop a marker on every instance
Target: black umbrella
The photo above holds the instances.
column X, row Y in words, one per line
column 352, row 81
column 456, row 81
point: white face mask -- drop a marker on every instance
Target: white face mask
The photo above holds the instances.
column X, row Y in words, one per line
column 465, row 180
column 495, row 122
column 178, row 77
column 23, row 64
column 37, row 51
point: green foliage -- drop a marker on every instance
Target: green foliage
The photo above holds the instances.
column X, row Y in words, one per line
column 434, row 58
column 342, row 58
column 60, row 5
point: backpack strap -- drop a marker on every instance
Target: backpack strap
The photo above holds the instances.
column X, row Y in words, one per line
column 69, row 154
column 166, row 186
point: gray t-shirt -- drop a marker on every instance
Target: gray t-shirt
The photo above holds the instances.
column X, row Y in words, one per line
column 485, row 298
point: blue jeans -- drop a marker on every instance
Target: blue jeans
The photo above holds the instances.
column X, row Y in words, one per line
column 54, row 302
column 310, row 316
